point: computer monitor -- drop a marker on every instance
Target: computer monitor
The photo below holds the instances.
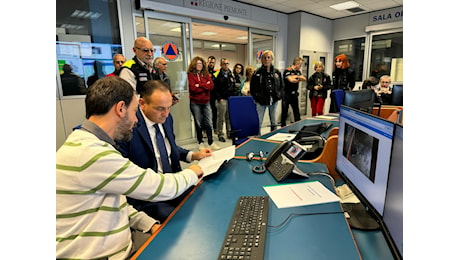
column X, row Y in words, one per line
column 393, row 207
column 397, row 95
column 360, row 99
column 363, row 159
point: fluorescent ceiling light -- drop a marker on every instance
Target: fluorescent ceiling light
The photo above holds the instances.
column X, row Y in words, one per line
column 178, row 29
column 242, row 38
column 86, row 15
column 208, row 33
column 344, row 5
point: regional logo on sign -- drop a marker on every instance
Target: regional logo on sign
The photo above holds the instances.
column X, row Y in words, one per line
column 170, row 51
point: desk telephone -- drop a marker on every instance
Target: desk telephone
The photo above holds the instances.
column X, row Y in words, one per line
column 283, row 158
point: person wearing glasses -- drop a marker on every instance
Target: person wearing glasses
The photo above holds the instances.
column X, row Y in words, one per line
column 140, row 69
column 161, row 65
column 383, row 90
column 224, row 86
column 118, row 60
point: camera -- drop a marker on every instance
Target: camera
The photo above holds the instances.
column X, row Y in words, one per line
column 225, row 17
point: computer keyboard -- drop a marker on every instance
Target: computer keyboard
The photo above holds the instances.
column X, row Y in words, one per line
column 245, row 237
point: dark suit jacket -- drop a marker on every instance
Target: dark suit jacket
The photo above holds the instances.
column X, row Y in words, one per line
column 140, row 149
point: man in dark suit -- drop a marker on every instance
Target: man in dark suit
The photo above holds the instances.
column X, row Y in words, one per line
column 144, row 149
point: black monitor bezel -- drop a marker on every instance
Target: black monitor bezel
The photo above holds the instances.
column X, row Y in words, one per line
column 386, row 232
column 370, row 209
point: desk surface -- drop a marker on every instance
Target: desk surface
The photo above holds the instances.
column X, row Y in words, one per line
column 197, row 229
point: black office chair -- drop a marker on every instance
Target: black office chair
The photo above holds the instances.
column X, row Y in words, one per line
column 397, row 95
column 244, row 120
column 360, row 99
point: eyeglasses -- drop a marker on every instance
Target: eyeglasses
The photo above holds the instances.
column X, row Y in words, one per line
column 120, row 61
column 225, row 63
column 146, row 50
column 385, row 82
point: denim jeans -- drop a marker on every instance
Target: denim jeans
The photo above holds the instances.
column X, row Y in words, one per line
column 202, row 116
column 271, row 114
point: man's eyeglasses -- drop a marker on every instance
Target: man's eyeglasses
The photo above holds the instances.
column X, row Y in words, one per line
column 146, row 50
column 225, row 63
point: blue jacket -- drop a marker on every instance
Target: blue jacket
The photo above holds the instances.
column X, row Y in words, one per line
column 140, row 149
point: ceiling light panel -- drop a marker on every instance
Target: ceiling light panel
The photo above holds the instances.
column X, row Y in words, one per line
column 344, row 5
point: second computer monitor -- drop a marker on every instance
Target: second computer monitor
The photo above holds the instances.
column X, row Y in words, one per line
column 363, row 155
column 393, row 208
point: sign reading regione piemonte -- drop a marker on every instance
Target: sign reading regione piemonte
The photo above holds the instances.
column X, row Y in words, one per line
column 170, row 51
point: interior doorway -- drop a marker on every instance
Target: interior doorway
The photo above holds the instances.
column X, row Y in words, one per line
column 309, row 59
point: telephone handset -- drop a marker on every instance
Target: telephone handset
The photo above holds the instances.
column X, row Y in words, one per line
column 283, row 158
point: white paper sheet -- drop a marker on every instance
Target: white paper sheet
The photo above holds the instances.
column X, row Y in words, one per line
column 326, row 117
column 212, row 163
column 300, row 194
column 281, row 137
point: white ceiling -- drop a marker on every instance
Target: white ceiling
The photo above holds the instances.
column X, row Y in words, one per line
column 230, row 35
column 321, row 7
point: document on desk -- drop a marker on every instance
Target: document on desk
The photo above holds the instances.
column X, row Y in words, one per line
column 326, row 117
column 282, row 137
column 212, row 163
column 300, row 194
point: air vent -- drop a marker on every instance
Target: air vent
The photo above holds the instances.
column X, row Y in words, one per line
column 355, row 10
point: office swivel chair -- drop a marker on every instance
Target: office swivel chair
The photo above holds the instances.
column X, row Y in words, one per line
column 338, row 95
column 360, row 99
column 244, row 120
column 397, row 95
column 328, row 155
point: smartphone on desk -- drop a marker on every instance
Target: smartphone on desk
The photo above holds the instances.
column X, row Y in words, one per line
column 283, row 158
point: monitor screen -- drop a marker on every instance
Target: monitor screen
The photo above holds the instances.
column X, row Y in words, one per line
column 393, row 208
column 363, row 155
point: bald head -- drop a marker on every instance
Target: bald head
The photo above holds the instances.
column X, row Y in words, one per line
column 143, row 49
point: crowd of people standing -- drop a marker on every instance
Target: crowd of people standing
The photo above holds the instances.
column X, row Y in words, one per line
column 126, row 147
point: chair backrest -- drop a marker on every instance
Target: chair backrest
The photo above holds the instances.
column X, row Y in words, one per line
column 329, row 155
column 360, row 99
column 244, row 120
column 338, row 95
column 397, row 95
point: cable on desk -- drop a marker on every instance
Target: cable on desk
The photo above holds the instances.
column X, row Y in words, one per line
column 304, row 214
column 325, row 174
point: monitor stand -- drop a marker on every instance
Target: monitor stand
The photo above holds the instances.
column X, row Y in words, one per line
column 359, row 217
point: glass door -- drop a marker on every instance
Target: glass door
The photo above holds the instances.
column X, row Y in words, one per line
column 259, row 42
column 170, row 37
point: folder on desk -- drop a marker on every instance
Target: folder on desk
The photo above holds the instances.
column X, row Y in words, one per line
column 213, row 163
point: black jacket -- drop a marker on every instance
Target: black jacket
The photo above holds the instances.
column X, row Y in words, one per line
column 142, row 74
column 343, row 79
column 266, row 84
column 224, row 86
column 319, row 79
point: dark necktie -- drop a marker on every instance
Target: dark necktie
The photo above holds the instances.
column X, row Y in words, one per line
column 162, row 148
